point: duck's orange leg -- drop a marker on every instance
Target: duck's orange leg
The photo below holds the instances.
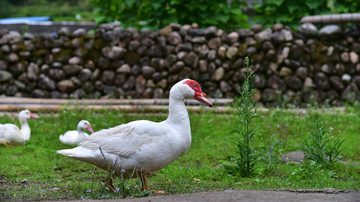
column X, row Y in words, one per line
column 145, row 185
column 110, row 185
column 5, row 144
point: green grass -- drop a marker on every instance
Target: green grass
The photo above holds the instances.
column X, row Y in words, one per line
column 50, row 176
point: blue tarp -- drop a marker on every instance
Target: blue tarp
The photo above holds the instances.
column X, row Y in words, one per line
column 25, row 19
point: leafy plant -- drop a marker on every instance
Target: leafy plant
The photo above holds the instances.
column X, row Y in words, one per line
column 245, row 155
column 156, row 14
column 318, row 147
column 289, row 12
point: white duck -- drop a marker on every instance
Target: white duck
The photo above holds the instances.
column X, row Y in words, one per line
column 143, row 147
column 74, row 137
column 11, row 135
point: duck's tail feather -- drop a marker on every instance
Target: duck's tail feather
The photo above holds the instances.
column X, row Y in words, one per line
column 77, row 152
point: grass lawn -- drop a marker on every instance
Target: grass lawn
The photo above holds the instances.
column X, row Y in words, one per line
column 36, row 172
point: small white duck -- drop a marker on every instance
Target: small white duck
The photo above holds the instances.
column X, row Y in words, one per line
column 11, row 135
column 142, row 147
column 74, row 137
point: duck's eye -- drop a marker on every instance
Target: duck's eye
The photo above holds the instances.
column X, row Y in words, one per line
column 195, row 85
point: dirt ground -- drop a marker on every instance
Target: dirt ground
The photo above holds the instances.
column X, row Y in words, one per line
column 247, row 195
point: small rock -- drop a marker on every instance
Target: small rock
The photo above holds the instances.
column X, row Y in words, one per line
column 308, row 84
column 225, row 87
column 33, row 71
column 210, row 32
column 233, row 37
column 346, row 78
column 107, row 77
column 191, row 59
column 351, row 93
column 354, row 57
column 218, row 74
column 308, row 29
column 24, row 181
column 165, row 31
column 46, row 83
column 276, row 83
column 282, row 36
column 13, row 57
column 232, row 52
column 285, row 71
column 293, row 82
column 72, row 69
column 295, row 156
column 345, row 57
column 264, row 35
column 214, row 43
column 65, row 31
column 158, row 93
column 5, row 76
column 79, row 32
column 113, row 52
column 124, row 69
column 66, row 86
column 321, row 81
column 75, row 60
column 256, row 28
column 336, row 82
column 85, row 74
column 198, row 40
column 222, row 51
column 147, row 71
column 174, row 38
column 330, row 31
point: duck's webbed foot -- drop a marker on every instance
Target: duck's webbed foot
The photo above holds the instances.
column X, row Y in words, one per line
column 5, row 144
column 145, row 186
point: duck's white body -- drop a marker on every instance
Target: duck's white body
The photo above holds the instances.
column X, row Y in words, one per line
column 11, row 135
column 143, row 145
column 74, row 137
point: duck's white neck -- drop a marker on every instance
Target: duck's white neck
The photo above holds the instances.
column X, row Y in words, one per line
column 81, row 134
column 25, row 129
column 178, row 114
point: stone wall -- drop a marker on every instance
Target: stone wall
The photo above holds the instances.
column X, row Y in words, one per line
column 292, row 68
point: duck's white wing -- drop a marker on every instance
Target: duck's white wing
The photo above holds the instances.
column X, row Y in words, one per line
column 10, row 133
column 69, row 137
column 126, row 139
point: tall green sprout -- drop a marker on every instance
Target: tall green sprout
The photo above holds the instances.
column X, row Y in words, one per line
column 319, row 147
column 245, row 156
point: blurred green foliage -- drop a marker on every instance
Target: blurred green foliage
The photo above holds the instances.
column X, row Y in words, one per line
column 223, row 14
column 58, row 10
column 156, row 14
column 290, row 12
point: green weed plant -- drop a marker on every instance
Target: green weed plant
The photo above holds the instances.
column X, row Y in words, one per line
column 245, row 156
column 319, row 147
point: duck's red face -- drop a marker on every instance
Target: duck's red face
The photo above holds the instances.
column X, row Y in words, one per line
column 199, row 95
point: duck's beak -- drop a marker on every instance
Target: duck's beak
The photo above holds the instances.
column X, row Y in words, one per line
column 200, row 96
column 90, row 129
column 34, row 116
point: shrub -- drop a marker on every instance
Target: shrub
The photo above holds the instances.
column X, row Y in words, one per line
column 156, row 14
column 289, row 12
